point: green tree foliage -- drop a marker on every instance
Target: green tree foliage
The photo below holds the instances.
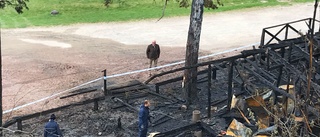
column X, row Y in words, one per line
column 18, row 5
column 207, row 4
column 182, row 3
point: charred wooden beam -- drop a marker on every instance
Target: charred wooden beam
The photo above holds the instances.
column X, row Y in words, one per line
column 275, row 67
column 244, row 83
column 282, row 52
column 269, row 84
column 83, row 92
column 120, row 106
column 264, row 30
column 230, row 85
column 216, row 102
column 124, row 85
column 214, row 73
column 290, row 52
column 19, row 124
column 157, row 85
column 161, row 120
column 176, row 97
column 178, row 78
column 128, row 89
column 275, row 36
column 243, row 54
column 240, row 76
column 124, row 103
column 263, row 37
column 10, row 122
column 296, row 72
column 37, row 114
column 274, row 46
column 295, row 30
column 286, row 33
column 296, row 41
column 140, row 95
column 269, row 75
column 247, row 53
column 159, row 95
column 287, row 23
column 96, row 105
column 306, row 56
column 220, row 68
column 131, row 94
column 209, row 91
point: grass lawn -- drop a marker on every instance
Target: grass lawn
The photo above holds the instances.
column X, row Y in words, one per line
column 91, row 11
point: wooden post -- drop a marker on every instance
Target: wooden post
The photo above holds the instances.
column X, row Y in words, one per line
column 209, row 91
column 310, row 26
column 268, row 59
column 214, row 73
column 290, row 52
column 262, row 38
column 276, row 94
column 157, row 88
column 195, row 116
column 286, row 33
column 105, row 82
column 96, row 105
column 119, row 123
column 19, row 124
column 285, row 99
column 230, row 85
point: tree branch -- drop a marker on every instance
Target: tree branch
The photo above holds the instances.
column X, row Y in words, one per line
column 163, row 10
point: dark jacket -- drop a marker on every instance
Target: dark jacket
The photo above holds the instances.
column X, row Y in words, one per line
column 153, row 52
column 143, row 117
column 52, row 129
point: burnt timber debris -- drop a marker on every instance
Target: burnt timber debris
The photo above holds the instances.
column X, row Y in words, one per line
column 270, row 90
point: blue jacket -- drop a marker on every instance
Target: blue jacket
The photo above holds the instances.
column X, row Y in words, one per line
column 143, row 117
column 52, row 129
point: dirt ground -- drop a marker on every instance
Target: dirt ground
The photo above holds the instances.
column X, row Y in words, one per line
column 41, row 61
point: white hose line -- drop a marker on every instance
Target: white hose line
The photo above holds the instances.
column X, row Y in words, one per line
column 122, row 74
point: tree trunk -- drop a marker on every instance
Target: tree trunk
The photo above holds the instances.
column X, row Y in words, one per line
column 190, row 75
column 0, row 84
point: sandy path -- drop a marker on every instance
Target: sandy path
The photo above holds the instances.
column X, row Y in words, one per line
column 33, row 70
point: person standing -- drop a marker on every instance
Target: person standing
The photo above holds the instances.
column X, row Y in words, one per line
column 153, row 53
column 51, row 129
column 144, row 117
